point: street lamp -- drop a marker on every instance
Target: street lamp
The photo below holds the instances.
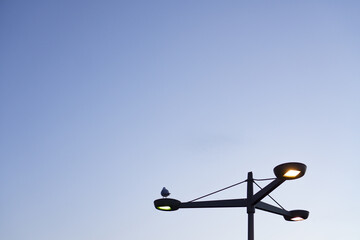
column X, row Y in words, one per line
column 283, row 172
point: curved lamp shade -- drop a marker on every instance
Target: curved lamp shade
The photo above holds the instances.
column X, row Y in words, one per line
column 297, row 215
column 291, row 170
column 167, row 204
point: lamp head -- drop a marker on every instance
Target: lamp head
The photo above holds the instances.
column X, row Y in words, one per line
column 167, row 204
column 297, row 215
column 289, row 171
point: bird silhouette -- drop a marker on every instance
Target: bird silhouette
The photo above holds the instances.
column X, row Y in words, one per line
column 165, row 192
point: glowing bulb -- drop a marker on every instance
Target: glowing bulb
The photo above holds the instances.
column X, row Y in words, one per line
column 165, row 208
column 292, row 173
column 297, row 219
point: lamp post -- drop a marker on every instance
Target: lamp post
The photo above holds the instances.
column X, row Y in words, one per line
column 283, row 172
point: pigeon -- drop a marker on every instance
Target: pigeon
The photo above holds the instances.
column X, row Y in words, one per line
column 165, row 192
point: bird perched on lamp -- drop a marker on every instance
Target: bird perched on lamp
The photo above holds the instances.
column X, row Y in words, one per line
column 164, row 192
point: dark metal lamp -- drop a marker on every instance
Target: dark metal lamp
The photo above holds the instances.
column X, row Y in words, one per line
column 283, row 172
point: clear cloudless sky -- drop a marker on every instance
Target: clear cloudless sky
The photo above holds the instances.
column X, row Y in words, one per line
column 103, row 103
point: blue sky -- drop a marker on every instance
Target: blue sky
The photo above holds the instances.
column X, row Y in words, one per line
column 103, row 103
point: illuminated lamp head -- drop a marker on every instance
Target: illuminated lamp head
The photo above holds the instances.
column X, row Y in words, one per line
column 297, row 215
column 167, row 204
column 289, row 171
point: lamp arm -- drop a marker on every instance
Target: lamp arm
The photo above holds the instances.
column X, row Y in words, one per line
column 270, row 208
column 215, row 204
column 266, row 190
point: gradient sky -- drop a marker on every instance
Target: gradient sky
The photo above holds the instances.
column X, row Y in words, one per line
column 103, row 103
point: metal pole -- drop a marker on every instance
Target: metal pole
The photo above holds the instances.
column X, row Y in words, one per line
column 250, row 206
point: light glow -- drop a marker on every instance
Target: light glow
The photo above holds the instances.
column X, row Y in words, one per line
column 297, row 219
column 292, row 173
column 165, row 208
